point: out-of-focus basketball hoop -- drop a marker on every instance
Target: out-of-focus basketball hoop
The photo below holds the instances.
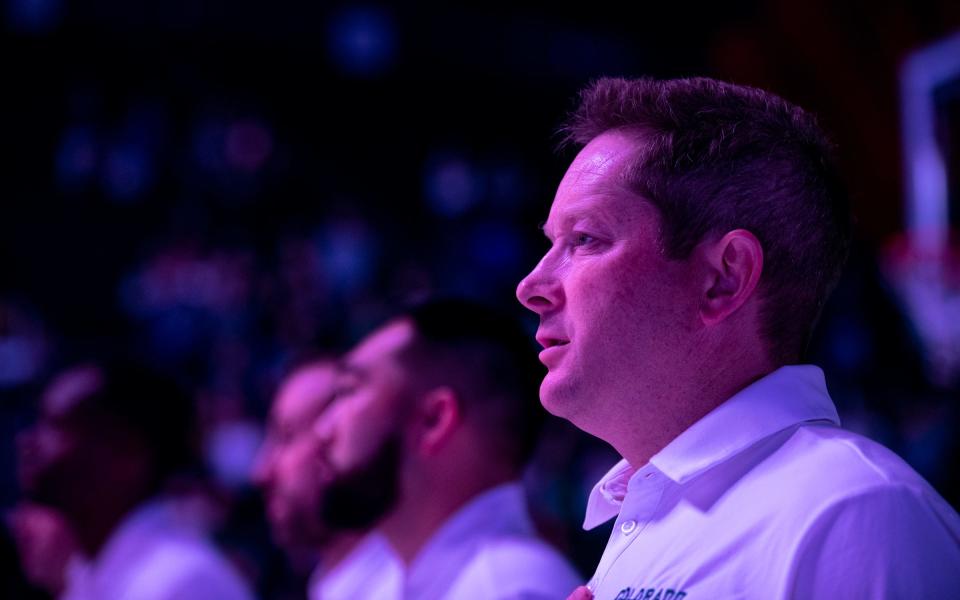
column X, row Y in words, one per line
column 924, row 264
column 927, row 283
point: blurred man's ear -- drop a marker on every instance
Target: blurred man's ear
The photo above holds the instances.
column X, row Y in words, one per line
column 437, row 418
column 733, row 267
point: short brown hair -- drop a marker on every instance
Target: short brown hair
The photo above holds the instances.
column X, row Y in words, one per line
column 713, row 157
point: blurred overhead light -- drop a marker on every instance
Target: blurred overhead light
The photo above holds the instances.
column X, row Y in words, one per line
column 452, row 186
column 362, row 40
column 34, row 16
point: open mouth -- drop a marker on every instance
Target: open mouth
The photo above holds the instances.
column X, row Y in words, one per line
column 551, row 342
column 552, row 350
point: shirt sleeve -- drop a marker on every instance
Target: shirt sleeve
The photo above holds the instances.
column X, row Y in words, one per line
column 887, row 542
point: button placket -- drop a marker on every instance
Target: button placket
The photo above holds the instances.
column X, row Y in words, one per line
column 641, row 503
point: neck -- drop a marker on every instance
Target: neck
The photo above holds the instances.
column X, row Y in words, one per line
column 415, row 521
column 669, row 414
column 94, row 521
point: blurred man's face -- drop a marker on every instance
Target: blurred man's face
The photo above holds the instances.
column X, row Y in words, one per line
column 288, row 469
column 362, row 434
column 65, row 451
column 615, row 314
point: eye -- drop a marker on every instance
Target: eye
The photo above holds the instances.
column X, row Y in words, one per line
column 579, row 239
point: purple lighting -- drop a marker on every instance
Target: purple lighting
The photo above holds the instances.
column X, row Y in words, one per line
column 34, row 16
column 362, row 41
column 127, row 172
column 452, row 186
column 494, row 245
column 76, row 157
column 348, row 254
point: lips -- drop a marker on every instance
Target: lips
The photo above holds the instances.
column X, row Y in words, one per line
column 551, row 340
column 554, row 346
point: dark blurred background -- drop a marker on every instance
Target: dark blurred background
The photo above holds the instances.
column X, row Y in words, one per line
column 221, row 186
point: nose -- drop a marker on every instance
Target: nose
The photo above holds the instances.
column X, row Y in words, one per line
column 540, row 291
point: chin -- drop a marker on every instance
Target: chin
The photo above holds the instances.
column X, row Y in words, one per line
column 570, row 402
column 557, row 398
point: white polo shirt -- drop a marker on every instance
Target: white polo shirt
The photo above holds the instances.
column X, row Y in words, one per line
column 767, row 497
column 489, row 550
column 158, row 552
column 371, row 570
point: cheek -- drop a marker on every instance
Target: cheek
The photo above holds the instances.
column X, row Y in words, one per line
column 300, row 476
column 629, row 302
column 368, row 422
column 353, row 436
column 604, row 293
column 288, row 468
column 306, row 460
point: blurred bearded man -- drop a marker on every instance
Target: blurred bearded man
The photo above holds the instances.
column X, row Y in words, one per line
column 694, row 240
column 293, row 480
column 434, row 421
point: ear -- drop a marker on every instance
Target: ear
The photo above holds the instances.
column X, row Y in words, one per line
column 734, row 264
column 438, row 418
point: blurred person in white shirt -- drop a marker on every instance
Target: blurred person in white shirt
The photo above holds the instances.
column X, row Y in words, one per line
column 434, row 421
column 109, row 437
column 291, row 475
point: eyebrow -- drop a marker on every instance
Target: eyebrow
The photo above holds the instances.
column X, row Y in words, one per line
column 576, row 214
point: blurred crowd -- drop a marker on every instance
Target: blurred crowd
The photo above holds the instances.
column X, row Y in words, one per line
column 128, row 490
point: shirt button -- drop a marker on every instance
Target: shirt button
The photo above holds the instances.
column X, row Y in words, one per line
column 627, row 527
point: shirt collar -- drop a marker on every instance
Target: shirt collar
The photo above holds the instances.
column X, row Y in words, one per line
column 788, row 396
column 604, row 501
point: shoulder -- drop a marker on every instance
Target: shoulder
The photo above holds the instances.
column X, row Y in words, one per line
column 888, row 540
column 865, row 520
column 186, row 568
column 518, row 567
column 823, row 465
column 821, row 471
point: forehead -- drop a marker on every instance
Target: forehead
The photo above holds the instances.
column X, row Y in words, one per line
column 304, row 394
column 592, row 184
column 382, row 346
column 601, row 159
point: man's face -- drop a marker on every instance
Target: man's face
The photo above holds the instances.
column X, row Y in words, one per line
column 64, row 451
column 362, row 434
column 615, row 315
column 288, row 469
